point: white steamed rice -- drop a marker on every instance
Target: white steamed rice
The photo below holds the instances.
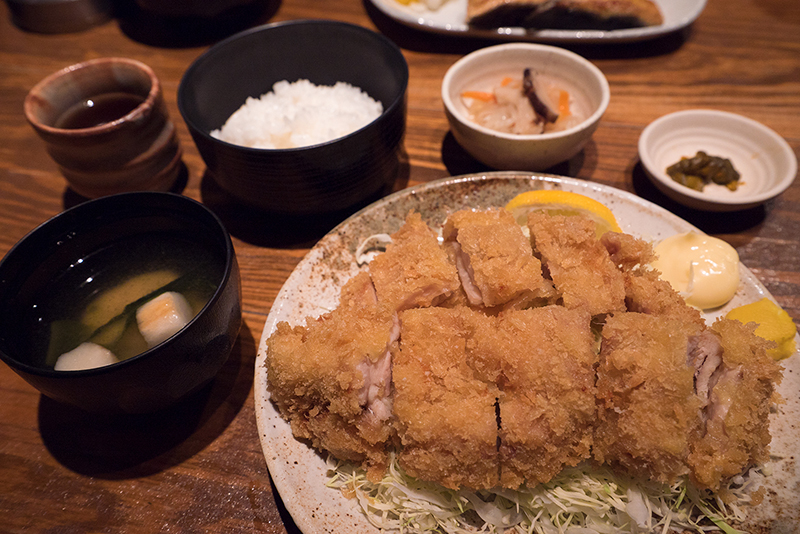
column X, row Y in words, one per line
column 299, row 114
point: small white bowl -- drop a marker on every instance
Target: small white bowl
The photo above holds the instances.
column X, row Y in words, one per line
column 483, row 68
column 765, row 161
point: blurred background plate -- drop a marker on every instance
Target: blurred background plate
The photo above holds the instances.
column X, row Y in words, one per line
column 60, row 16
column 451, row 19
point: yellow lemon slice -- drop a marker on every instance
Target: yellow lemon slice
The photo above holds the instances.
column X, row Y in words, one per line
column 558, row 202
column 773, row 324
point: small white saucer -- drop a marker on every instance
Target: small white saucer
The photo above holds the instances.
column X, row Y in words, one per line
column 765, row 161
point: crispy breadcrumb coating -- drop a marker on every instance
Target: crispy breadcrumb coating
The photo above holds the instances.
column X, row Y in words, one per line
column 736, row 433
column 647, row 407
column 414, row 271
column 578, row 263
column 331, row 379
column 445, row 415
column 627, row 252
column 645, row 291
column 494, row 258
column 547, row 404
column 509, row 389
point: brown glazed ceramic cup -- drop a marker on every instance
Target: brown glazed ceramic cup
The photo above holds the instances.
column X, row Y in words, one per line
column 137, row 150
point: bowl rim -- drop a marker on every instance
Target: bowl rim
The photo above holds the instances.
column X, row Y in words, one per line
column 697, row 197
column 594, row 118
column 143, row 108
column 124, row 198
column 387, row 110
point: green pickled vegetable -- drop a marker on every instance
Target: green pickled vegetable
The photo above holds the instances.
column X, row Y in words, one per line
column 701, row 169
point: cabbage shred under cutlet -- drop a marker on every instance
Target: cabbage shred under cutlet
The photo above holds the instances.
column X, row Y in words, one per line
column 580, row 500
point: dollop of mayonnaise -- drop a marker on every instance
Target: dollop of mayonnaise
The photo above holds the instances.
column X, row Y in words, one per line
column 703, row 269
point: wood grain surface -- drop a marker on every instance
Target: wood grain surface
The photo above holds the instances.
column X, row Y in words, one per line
column 199, row 467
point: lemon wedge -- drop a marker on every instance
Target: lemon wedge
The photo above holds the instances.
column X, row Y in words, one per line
column 557, row 202
column 773, row 322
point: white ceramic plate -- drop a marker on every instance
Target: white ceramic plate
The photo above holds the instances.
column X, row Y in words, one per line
column 765, row 161
column 451, row 19
column 299, row 473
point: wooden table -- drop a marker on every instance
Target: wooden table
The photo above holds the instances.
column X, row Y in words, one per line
column 199, row 468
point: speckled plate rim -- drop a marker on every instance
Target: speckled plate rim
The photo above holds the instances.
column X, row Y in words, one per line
column 299, row 473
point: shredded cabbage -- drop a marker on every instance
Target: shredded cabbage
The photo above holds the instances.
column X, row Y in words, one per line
column 579, row 500
column 371, row 247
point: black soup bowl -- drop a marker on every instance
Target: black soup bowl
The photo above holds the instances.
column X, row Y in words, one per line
column 312, row 180
column 83, row 276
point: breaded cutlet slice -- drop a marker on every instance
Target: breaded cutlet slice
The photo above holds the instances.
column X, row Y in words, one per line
column 579, row 265
column 444, row 414
column 645, row 291
column 628, row 252
column 547, row 398
column 414, row 271
column 736, row 434
column 648, row 409
column 494, row 258
column 331, row 378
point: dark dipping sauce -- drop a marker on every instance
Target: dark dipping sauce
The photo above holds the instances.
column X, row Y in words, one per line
column 97, row 110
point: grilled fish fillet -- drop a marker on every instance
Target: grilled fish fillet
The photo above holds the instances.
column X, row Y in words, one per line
column 496, row 13
column 564, row 14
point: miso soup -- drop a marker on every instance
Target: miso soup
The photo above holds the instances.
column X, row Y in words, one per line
column 95, row 300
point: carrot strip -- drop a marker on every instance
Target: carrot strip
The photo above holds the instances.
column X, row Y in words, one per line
column 507, row 80
column 478, row 95
column 563, row 104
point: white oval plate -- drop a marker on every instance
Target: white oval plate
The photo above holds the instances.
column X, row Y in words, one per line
column 299, row 473
column 451, row 19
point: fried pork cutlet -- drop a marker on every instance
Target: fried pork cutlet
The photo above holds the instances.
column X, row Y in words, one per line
column 627, row 252
column 490, row 395
column 457, row 298
column 494, row 258
column 547, row 399
column 645, row 291
column 741, row 386
column 414, row 271
column 331, row 379
column 444, row 414
column 648, row 409
column 579, row 265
